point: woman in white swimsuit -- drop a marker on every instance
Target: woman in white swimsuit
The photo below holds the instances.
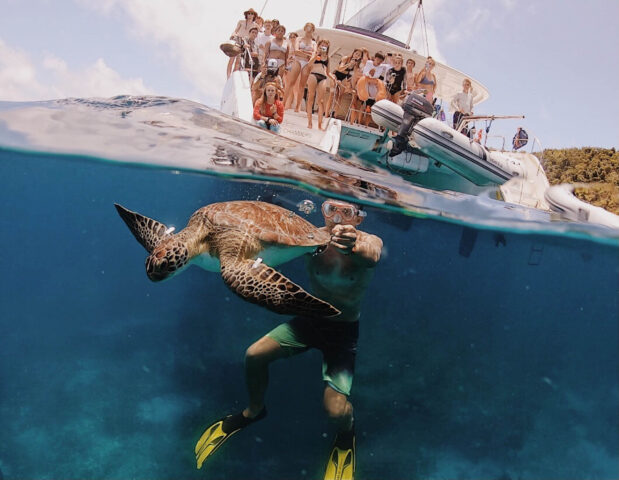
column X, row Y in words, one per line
column 278, row 48
column 305, row 48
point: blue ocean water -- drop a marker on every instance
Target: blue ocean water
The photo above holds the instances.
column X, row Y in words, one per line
column 483, row 354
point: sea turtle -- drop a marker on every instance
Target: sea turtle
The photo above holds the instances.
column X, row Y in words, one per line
column 243, row 240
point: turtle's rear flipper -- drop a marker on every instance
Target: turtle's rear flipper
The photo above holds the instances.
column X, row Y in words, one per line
column 258, row 283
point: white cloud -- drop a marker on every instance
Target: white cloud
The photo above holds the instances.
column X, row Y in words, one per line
column 17, row 75
column 97, row 79
column 20, row 78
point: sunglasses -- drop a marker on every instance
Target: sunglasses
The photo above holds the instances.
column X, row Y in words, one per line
column 347, row 213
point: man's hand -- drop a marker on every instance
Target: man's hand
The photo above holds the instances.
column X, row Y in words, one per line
column 344, row 237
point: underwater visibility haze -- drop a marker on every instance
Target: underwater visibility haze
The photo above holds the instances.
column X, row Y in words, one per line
column 488, row 343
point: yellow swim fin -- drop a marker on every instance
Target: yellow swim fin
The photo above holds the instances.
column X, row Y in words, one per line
column 220, row 431
column 341, row 464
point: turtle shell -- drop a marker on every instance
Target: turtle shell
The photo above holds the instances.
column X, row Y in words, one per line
column 268, row 222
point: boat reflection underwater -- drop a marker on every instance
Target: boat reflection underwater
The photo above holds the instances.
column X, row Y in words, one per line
column 488, row 347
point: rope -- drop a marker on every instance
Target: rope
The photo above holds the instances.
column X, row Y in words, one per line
column 425, row 27
column 263, row 6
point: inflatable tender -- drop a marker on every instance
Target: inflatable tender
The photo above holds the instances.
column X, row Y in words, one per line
column 363, row 89
column 561, row 199
column 463, row 155
column 446, row 145
column 387, row 114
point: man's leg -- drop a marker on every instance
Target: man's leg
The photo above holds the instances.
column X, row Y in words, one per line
column 257, row 359
column 341, row 462
column 338, row 408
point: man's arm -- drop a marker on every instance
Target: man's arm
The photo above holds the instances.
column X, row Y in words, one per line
column 368, row 247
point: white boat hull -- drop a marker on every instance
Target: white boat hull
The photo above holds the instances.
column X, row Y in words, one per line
column 561, row 199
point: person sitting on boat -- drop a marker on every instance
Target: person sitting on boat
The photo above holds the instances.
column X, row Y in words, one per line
column 343, row 75
column 303, row 50
column 394, row 78
column 318, row 82
column 278, row 49
column 241, row 32
column 269, row 74
column 426, row 79
column 263, row 38
column 520, row 139
column 462, row 104
column 370, row 87
column 269, row 110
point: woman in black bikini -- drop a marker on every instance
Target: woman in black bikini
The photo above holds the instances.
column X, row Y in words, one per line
column 318, row 81
column 343, row 74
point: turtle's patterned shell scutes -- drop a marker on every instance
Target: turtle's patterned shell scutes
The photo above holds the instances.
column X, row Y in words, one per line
column 267, row 222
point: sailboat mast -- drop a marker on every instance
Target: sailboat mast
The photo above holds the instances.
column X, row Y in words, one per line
column 338, row 12
column 324, row 10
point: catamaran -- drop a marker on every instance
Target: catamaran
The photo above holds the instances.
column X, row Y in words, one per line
column 431, row 154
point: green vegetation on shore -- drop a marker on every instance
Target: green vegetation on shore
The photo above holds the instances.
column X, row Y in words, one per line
column 597, row 167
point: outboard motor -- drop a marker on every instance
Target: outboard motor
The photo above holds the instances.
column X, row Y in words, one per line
column 416, row 107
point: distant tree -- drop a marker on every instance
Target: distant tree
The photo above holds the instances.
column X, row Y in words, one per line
column 596, row 167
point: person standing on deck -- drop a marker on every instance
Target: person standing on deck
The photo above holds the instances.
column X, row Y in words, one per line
column 462, row 103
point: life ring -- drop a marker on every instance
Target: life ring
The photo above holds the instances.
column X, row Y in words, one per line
column 363, row 91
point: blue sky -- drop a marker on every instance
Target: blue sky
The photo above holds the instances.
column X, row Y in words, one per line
column 556, row 62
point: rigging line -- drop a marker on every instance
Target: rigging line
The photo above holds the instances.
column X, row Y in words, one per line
column 263, row 6
column 410, row 34
column 425, row 27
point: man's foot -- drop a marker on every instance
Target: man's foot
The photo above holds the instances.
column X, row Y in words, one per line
column 341, row 464
column 217, row 433
column 309, row 124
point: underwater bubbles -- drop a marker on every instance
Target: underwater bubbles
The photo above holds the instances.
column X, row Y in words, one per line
column 306, row 206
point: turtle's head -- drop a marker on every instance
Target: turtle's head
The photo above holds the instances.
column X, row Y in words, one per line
column 166, row 260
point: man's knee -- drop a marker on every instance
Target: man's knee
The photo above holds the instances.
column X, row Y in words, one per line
column 263, row 351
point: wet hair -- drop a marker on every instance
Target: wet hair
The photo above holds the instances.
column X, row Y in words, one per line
column 380, row 55
column 411, row 60
column 252, row 29
column 280, row 26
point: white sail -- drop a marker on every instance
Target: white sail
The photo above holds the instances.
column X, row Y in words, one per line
column 378, row 15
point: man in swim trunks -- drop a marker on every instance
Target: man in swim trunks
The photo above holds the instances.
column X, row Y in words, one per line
column 340, row 276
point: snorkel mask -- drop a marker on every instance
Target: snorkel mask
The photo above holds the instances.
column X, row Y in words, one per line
column 341, row 213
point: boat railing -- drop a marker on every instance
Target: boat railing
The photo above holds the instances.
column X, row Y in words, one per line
column 500, row 137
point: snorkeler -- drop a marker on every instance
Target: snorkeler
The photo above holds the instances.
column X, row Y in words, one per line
column 340, row 275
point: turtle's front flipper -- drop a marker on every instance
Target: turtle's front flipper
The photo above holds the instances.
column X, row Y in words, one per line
column 258, row 283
